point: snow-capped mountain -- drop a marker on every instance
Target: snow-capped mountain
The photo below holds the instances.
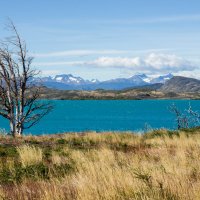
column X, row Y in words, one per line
column 68, row 79
column 70, row 82
column 145, row 78
column 120, row 83
column 161, row 79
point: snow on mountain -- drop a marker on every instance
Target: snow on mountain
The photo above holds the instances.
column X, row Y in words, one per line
column 59, row 78
column 95, row 81
column 70, row 82
column 144, row 77
column 161, row 79
column 68, row 79
column 140, row 78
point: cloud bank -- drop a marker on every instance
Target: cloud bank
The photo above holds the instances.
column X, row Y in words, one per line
column 154, row 63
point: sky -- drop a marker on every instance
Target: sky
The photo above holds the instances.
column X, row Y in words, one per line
column 107, row 39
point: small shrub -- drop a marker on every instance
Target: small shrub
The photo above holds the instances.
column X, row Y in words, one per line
column 61, row 141
column 34, row 172
column 59, row 171
column 47, row 153
column 8, row 151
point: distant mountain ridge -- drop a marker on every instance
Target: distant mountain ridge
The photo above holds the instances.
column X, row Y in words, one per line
column 70, row 82
column 180, row 84
column 175, row 88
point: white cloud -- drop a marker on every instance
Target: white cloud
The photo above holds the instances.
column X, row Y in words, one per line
column 117, row 62
column 154, row 63
column 190, row 74
column 168, row 63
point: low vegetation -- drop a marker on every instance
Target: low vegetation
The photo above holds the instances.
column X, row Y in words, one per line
column 134, row 93
column 158, row 165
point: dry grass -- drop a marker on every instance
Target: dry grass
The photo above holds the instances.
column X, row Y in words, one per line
column 29, row 155
column 160, row 165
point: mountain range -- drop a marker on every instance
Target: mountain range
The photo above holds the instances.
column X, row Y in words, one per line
column 70, row 82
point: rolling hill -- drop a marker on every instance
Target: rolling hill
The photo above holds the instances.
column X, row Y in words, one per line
column 181, row 84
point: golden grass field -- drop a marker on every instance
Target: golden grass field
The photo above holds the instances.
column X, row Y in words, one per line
column 158, row 165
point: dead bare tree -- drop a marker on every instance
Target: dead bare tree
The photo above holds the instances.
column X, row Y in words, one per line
column 187, row 118
column 18, row 95
column 181, row 119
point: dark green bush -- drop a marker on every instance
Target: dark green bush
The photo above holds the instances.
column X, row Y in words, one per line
column 34, row 172
column 8, row 151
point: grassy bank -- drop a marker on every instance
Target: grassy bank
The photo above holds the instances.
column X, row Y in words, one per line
column 157, row 165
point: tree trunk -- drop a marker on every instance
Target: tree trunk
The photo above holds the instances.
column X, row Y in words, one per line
column 18, row 129
column 15, row 129
column 12, row 128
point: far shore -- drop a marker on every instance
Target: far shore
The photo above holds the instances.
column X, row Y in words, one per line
column 128, row 94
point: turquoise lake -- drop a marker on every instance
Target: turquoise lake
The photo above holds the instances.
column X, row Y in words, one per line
column 107, row 115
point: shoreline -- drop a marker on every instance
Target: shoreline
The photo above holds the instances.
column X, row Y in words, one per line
column 85, row 133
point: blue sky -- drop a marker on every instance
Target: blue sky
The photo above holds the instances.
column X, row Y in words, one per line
column 109, row 38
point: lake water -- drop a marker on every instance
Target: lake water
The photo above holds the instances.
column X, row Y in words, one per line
column 108, row 115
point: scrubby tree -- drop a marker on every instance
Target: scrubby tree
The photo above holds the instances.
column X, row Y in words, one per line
column 187, row 118
column 18, row 94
